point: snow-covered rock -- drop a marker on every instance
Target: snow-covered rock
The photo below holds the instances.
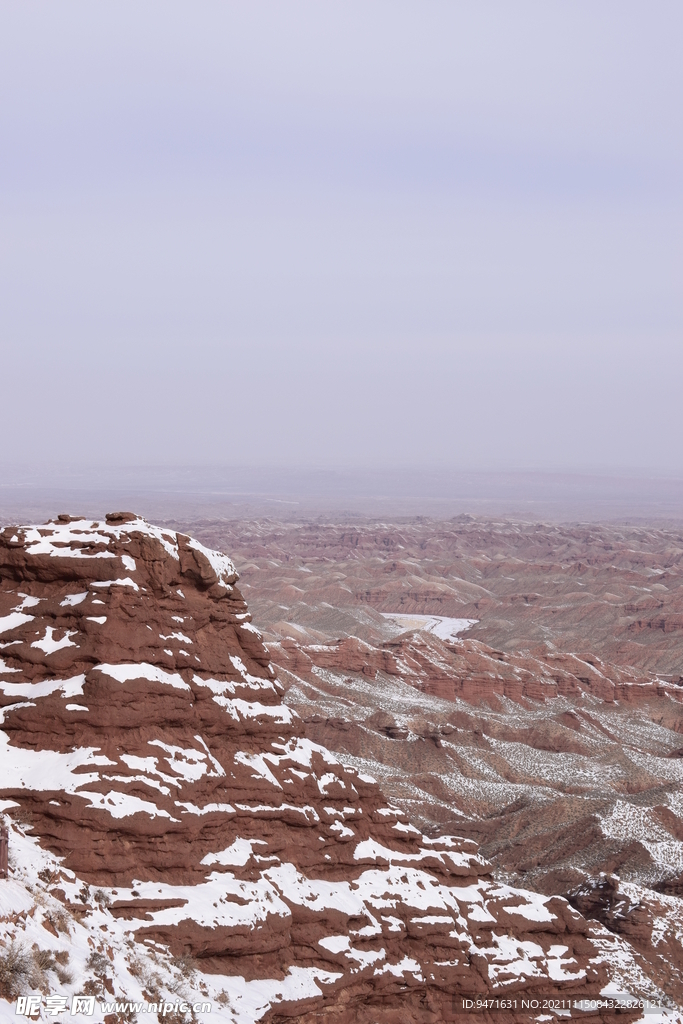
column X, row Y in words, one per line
column 176, row 839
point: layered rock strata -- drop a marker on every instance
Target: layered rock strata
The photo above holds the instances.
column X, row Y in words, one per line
column 173, row 826
column 550, row 731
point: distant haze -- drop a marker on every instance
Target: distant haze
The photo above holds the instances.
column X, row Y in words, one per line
column 343, row 236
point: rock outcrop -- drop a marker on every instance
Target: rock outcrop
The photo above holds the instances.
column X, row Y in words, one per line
column 173, row 828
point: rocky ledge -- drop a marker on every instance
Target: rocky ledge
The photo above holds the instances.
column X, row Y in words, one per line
column 173, row 830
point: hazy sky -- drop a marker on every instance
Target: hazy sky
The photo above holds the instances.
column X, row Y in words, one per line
column 338, row 234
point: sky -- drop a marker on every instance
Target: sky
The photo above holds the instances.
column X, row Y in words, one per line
column 442, row 236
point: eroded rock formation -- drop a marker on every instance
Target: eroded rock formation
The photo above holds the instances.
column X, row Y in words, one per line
column 173, row 824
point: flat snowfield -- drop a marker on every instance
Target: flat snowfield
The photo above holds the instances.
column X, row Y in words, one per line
column 439, row 625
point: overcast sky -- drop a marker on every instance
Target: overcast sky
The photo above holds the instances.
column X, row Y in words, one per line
column 342, row 234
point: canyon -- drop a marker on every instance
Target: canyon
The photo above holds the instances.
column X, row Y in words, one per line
column 314, row 804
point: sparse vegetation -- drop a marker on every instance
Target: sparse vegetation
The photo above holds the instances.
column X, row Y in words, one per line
column 21, row 968
column 186, row 964
column 152, row 988
column 135, row 967
column 98, row 963
column 59, row 920
column 126, row 1017
column 16, row 970
column 43, row 959
column 178, row 1017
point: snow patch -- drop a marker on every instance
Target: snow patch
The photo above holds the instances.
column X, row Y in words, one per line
column 127, row 582
column 440, row 625
column 222, row 566
column 49, row 646
column 126, row 673
column 238, row 853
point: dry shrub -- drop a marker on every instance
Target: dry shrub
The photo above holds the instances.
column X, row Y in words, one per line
column 152, row 989
column 98, row 963
column 60, row 920
column 21, row 969
column 43, row 959
column 186, row 964
column 135, row 967
column 16, row 971
column 178, row 1017
column 122, row 1017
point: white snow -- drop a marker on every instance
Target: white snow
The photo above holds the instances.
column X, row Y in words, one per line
column 440, row 625
column 22, row 914
column 534, row 910
column 220, row 563
column 238, row 853
column 49, row 645
column 343, row 830
column 142, row 670
column 218, row 767
column 191, row 808
column 257, row 762
column 236, row 708
column 405, row 966
column 509, row 956
column 122, row 805
column 334, row 943
column 308, row 813
column 13, row 620
column 55, row 540
column 14, row 899
column 127, row 582
column 370, row 849
column 49, row 770
column 69, row 687
column 185, row 761
column 167, row 538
